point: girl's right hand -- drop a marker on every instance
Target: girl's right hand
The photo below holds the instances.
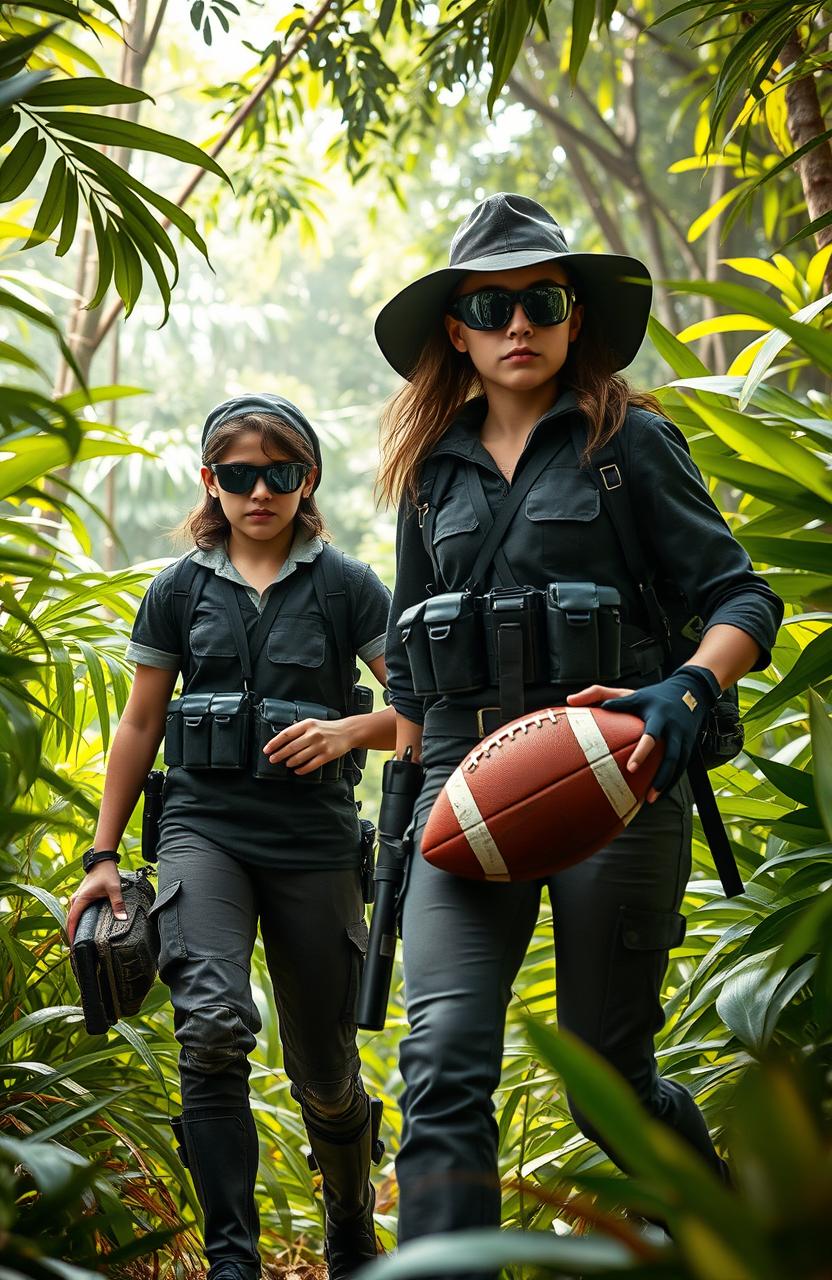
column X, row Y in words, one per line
column 103, row 881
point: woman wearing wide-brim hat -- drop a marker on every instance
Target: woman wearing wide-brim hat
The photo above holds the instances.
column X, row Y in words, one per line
column 511, row 353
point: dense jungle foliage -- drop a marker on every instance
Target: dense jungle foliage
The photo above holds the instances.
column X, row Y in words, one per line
column 340, row 143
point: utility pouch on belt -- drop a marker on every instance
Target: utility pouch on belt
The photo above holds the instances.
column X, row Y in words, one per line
column 454, row 630
column 583, row 630
column 273, row 714
column 519, row 607
column 414, row 634
column 361, row 704
column 208, row 731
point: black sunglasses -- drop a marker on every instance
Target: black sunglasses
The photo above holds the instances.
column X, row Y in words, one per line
column 241, row 477
column 492, row 308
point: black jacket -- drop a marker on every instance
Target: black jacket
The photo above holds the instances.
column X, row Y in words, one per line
column 562, row 533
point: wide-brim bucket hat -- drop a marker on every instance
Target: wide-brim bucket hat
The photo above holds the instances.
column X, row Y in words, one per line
column 507, row 231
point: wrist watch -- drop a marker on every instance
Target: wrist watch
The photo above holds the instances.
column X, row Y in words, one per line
column 94, row 855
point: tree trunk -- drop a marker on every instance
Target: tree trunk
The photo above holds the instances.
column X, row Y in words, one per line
column 805, row 122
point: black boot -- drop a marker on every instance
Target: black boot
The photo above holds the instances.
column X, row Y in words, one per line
column 222, row 1153
column 343, row 1153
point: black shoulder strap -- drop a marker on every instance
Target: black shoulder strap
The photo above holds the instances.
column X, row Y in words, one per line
column 533, row 469
column 427, row 506
column 329, row 581
column 485, row 518
column 608, row 470
column 188, row 579
column 248, row 651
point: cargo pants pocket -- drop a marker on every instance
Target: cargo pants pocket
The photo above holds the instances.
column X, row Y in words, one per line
column 165, row 915
column 357, row 939
column 638, row 962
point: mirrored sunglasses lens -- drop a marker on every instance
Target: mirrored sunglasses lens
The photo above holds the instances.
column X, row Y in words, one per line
column 236, row 477
column 285, row 477
column 490, row 309
column 546, row 305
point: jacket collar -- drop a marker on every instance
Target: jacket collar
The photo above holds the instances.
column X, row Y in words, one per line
column 462, row 438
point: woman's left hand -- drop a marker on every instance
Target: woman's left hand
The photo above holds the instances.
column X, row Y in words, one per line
column 307, row 745
column 599, row 693
column 673, row 710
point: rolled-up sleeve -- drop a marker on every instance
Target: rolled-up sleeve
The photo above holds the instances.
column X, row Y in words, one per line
column 414, row 581
column 692, row 544
column 155, row 641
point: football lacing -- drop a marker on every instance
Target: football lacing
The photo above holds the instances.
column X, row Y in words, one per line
column 507, row 734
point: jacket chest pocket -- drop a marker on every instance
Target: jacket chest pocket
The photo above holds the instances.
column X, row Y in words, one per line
column 455, row 539
column 560, row 509
column 212, row 638
column 297, row 641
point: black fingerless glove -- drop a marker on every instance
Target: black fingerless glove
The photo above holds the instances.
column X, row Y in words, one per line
column 675, row 711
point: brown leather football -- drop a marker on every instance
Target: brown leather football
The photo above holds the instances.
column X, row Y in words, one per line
column 540, row 794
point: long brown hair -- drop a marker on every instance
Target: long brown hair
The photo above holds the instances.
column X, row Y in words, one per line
column 206, row 525
column 444, row 379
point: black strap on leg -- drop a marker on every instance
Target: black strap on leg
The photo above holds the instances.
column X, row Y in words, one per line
column 713, row 826
column 510, row 670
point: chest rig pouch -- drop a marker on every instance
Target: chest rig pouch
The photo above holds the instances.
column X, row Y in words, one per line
column 229, row 730
column 465, row 641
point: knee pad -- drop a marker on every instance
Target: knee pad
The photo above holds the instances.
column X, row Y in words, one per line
column 214, row 1038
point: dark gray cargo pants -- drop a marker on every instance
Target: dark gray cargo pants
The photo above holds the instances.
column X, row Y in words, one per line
column 208, row 905
column 615, row 918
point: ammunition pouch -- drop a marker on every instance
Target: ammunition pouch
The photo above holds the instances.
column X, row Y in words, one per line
column 115, row 961
column 271, row 715
column 230, row 730
column 361, row 704
column 569, row 633
column 583, row 632
column 208, row 731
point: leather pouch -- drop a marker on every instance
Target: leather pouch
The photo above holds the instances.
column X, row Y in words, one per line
column 229, row 730
column 583, row 629
column 194, row 709
column 115, row 961
column 518, row 606
column 455, row 642
column 273, row 714
column 414, row 634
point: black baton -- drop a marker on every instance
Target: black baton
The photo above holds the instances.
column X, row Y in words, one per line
column 152, row 812
column 401, row 784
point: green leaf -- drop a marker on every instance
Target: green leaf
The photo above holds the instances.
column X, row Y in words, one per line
column 51, row 206
column 814, row 666
column 489, row 1250
column 799, row 552
column 738, row 297
column 508, row 23
column 753, row 997
column 385, row 17
column 772, row 347
column 821, row 726
column 118, row 179
column 104, row 237
column 757, row 441
column 583, row 18
column 124, row 133
column 791, row 782
column 84, row 91
column 21, row 164
column 127, row 269
column 680, row 358
column 811, row 229
column 70, row 218
column 19, row 87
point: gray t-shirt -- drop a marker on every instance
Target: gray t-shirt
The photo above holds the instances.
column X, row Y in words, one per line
column 291, row 824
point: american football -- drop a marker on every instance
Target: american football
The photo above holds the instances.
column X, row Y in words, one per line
column 540, row 794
